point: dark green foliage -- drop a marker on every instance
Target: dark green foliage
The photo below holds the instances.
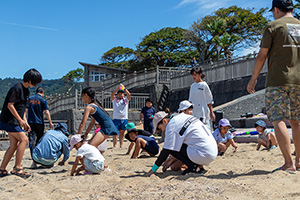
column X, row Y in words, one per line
column 51, row 87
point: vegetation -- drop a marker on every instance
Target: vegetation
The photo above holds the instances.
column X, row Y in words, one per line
column 72, row 79
column 52, row 87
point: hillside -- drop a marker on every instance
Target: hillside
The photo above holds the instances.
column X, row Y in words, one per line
column 53, row 87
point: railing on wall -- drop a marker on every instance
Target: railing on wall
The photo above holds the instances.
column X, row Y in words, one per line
column 3, row 135
column 74, row 101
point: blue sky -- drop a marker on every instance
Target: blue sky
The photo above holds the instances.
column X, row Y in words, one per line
column 53, row 36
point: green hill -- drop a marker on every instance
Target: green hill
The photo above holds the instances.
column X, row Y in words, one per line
column 51, row 87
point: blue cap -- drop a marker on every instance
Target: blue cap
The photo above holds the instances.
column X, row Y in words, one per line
column 63, row 128
column 261, row 123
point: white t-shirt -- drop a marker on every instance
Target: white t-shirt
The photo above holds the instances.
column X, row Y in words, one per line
column 202, row 148
column 264, row 135
column 218, row 137
column 120, row 108
column 200, row 96
column 90, row 152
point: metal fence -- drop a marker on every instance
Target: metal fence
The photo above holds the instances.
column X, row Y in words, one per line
column 3, row 135
column 74, row 101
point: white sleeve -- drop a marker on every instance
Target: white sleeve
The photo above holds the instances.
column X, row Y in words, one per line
column 190, row 100
column 208, row 95
column 170, row 136
column 81, row 151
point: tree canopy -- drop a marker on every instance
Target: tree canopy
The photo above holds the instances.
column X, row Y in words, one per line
column 72, row 78
column 226, row 30
column 166, row 47
column 118, row 57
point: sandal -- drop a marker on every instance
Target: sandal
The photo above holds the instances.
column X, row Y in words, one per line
column 3, row 173
column 20, row 172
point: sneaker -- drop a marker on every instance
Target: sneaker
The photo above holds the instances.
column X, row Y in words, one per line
column 272, row 148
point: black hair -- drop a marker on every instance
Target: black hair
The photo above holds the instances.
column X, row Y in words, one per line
column 92, row 94
column 148, row 100
column 198, row 71
column 286, row 10
column 33, row 76
column 256, row 125
column 39, row 90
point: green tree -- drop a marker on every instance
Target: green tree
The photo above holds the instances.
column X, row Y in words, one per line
column 166, row 47
column 227, row 29
column 118, row 57
column 72, row 78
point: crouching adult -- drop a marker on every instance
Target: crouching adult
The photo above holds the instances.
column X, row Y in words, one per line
column 187, row 139
column 52, row 145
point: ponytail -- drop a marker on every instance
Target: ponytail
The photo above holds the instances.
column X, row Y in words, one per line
column 91, row 93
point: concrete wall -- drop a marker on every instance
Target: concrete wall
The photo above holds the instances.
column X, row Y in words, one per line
column 223, row 91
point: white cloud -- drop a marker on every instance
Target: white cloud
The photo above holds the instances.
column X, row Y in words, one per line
column 203, row 7
column 251, row 49
column 30, row 26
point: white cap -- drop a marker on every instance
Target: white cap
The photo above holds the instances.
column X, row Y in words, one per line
column 184, row 105
column 157, row 118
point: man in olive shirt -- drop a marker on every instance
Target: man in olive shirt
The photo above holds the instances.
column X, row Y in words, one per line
column 281, row 45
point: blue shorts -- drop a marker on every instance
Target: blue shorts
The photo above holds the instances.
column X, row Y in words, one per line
column 93, row 166
column 152, row 147
column 10, row 128
column 120, row 123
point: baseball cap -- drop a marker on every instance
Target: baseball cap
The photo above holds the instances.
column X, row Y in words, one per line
column 224, row 122
column 261, row 123
column 287, row 4
column 130, row 125
column 74, row 140
column 157, row 118
column 184, row 105
column 62, row 127
column 121, row 91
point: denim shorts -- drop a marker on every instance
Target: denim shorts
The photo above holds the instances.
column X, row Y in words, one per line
column 120, row 123
column 10, row 128
column 282, row 103
column 93, row 166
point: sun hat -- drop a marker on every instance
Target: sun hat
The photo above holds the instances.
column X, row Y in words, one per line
column 63, row 128
column 184, row 105
column 74, row 140
column 287, row 4
column 224, row 122
column 130, row 125
column 261, row 123
column 157, row 118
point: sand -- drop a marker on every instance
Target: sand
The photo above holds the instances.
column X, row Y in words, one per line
column 245, row 174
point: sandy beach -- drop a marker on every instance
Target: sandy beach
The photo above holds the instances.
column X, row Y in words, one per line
column 246, row 174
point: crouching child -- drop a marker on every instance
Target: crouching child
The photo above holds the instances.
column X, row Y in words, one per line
column 146, row 143
column 90, row 157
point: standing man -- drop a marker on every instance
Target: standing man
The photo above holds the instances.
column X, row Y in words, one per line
column 36, row 108
column 120, row 112
column 201, row 97
column 281, row 45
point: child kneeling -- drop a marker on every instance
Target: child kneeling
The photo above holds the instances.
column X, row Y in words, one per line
column 141, row 142
column 223, row 137
column 90, row 157
column 265, row 137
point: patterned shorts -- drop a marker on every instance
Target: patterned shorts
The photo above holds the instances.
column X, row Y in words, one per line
column 282, row 103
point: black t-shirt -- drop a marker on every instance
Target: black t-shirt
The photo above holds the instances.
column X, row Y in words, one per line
column 17, row 94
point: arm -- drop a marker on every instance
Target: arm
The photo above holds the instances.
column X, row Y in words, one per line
column 161, row 158
column 82, row 167
column 89, row 128
column 234, row 145
column 141, row 117
column 259, row 64
column 48, row 116
column 86, row 114
column 268, row 142
column 23, row 122
column 75, row 165
column 130, row 147
column 128, row 94
column 65, row 151
column 112, row 96
column 212, row 114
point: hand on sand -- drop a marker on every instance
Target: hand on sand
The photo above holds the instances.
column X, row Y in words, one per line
column 61, row 163
column 149, row 173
